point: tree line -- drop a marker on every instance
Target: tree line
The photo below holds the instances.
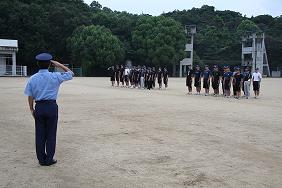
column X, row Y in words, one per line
column 94, row 37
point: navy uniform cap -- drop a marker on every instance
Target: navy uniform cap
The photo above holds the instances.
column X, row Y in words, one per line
column 44, row 57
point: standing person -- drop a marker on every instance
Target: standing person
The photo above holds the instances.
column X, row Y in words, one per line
column 189, row 78
column 197, row 79
column 126, row 75
column 160, row 76
column 206, row 80
column 149, row 79
column 256, row 77
column 227, row 80
column 215, row 80
column 117, row 74
column 43, row 88
column 121, row 75
column 247, row 82
column 112, row 75
column 238, row 82
column 142, row 77
column 137, row 77
column 154, row 77
column 233, row 82
column 222, row 81
column 165, row 77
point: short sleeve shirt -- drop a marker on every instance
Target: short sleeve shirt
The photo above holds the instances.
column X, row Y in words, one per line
column 44, row 85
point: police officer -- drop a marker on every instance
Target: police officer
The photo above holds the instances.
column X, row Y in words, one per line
column 43, row 89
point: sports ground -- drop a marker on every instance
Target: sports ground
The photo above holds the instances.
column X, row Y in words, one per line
column 117, row 137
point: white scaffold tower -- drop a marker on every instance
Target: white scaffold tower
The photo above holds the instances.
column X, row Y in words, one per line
column 254, row 53
column 190, row 30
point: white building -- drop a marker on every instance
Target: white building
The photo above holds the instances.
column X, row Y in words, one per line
column 8, row 64
column 254, row 53
column 190, row 30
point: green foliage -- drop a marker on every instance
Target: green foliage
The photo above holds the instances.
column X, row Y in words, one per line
column 247, row 27
column 158, row 41
column 41, row 25
column 95, row 46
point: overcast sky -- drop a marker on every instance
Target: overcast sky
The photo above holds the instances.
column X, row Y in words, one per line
column 156, row 7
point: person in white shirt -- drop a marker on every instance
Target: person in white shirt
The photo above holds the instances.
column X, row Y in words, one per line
column 256, row 77
column 126, row 75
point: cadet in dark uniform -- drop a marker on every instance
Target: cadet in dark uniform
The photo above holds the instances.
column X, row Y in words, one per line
column 216, row 80
column 121, row 75
column 43, row 88
column 227, row 79
column 154, row 77
column 160, row 76
column 117, row 74
column 189, row 79
column 206, row 80
column 238, row 81
column 233, row 83
column 165, row 77
column 112, row 75
column 197, row 79
column 247, row 82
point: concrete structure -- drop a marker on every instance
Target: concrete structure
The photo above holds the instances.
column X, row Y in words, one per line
column 8, row 49
column 254, row 53
column 190, row 30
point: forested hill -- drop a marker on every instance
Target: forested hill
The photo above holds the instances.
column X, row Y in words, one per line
column 94, row 37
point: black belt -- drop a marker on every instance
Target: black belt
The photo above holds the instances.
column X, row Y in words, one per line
column 46, row 101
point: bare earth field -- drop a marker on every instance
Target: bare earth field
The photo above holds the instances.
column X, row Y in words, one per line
column 116, row 137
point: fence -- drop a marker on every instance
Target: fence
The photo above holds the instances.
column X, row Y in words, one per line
column 7, row 70
column 276, row 72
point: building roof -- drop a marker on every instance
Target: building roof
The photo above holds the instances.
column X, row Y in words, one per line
column 8, row 43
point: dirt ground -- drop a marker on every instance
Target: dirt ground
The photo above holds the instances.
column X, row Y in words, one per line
column 116, row 137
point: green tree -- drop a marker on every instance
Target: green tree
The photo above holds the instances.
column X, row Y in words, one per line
column 247, row 27
column 158, row 41
column 95, row 46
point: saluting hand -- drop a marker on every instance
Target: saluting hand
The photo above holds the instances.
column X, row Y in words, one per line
column 55, row 63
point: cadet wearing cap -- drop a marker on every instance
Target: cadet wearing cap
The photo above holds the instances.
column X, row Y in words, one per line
column 43, row 88
column 227, row 79
column 215, row 80
column 197, row 79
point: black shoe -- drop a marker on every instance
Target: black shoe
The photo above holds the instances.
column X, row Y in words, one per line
column 42, row 163
column 51, row 163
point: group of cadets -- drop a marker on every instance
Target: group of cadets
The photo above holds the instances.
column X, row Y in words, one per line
column 238, row 81
column 141, row 77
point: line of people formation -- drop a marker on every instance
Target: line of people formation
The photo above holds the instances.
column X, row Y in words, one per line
column 239, row 80
column 141, row 77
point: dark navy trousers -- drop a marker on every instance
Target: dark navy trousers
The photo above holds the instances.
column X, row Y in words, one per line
column 46, row 119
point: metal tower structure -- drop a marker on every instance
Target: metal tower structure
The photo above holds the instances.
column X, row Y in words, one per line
column 254, row 53
column 190, row 30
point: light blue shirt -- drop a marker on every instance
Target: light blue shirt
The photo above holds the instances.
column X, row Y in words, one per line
column 45, row 85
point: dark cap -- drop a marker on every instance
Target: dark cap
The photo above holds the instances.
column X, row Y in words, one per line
column 44, row 57
column 226, row 67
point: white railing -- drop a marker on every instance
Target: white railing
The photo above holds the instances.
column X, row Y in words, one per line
column 8, row 70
